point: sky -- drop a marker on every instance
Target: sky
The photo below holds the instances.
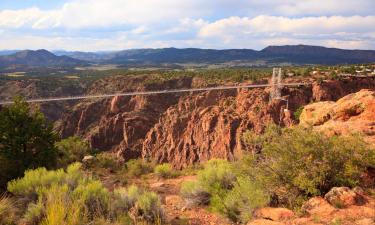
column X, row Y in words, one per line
column 107, row 25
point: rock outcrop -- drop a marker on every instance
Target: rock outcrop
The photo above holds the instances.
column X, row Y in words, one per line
column 318, row 210
column 354, row 113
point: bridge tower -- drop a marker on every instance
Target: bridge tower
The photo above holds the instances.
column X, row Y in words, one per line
column 276, row 85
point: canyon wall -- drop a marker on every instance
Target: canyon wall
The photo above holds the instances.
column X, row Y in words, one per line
column 186, row 128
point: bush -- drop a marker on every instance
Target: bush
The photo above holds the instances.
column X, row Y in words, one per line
column 138, row 167
column 72, row 198
column 165, row 171
column 71, row 150
column 194, row 194
column 8, row 211
column 34, row 213
column 94, row 196
column 298, row 113
column 35, row 182
column 243, row 199
column 298, row 163
column 26, row 141
column 217, row 172
column 107, row 160
column 149, row 207
column 226, row 191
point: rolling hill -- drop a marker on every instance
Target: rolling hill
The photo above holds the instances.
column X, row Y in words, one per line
column 39, row 58
column 294, row 54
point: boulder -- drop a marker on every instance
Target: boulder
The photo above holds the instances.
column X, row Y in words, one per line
column 275, row 214
column 264, row 222
column 88, row 160
column 318, row 206
column 344, row 197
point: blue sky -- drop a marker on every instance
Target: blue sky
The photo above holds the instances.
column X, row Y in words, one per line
column 92, row 25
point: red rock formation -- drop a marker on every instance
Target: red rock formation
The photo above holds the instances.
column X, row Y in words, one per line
column 351, row 114
column 187, row 128
column 210, row 125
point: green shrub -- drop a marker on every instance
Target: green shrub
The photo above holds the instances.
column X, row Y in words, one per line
column 146, row 204
column 34, row 213
column 35, row 182
column 194, row 194
column 226, row 191
column 149, row 207
column 297, row 163
column 94, row 196
column 138, row 167
column 107, row 160
column 217, row 172
column 165, row 171
column 298, row 113
column 243, row 199
column 71, row 150
column 8, row 211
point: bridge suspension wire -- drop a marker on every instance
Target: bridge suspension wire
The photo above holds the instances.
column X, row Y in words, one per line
column 55, row 99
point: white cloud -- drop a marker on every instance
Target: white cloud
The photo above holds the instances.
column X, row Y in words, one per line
column 354, row 31
column 271, row 25
column 118, row 24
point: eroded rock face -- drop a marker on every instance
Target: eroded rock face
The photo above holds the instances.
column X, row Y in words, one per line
column 195, row 127
column 121, row 123
column 209, row 125
column 354, row 113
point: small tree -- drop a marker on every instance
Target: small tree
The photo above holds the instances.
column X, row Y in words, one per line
column 26, row 141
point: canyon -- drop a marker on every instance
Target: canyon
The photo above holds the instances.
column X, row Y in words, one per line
column 184, row 129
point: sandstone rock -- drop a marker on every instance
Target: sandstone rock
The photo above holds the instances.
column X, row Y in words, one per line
column 265, row 222
column 318, row 206
column 353, row 113
column 365, row 221
column 275, row 214
column 343, row 197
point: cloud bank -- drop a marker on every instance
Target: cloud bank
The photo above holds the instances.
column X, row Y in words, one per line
column 118, row 24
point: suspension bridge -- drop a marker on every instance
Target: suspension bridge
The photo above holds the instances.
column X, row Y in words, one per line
column 276, row 86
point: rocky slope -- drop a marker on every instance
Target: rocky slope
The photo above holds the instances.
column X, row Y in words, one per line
column 188, row 128
column 354, row 113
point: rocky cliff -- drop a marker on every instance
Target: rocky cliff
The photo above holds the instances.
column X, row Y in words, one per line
column 188, row 128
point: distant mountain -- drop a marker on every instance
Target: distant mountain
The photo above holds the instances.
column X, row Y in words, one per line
column 39, row 58
column 8, row 52
column 188, row 55
column 306, row 54
column 290, row 54
column 86, row 56
column 295, row 54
